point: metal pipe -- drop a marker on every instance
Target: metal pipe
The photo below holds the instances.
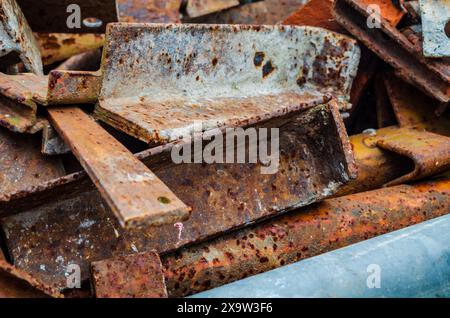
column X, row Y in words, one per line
column 412, row 262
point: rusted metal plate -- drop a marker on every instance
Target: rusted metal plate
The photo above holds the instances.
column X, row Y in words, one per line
column 197, row 8
column 22, row 164
column 56, row 47
column 435, row 27
column 17, row 283
column 87, row 61
column 310, row 231
column 16, row 40
column 429, row 152
column 155, row 11
column 261, row 12
column 315, row 159
column 221, row 75
column 401, row 50
column 412, row 108
column 131, row 276
column 134, row 193
column 52, row 16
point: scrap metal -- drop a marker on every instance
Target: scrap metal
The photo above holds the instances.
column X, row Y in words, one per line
column 131, row 276
column 135, row 194
column 154, row 11
column 311, row 231
column 402, row 50
column 16, row 40
column 197, row 8
column 51, row 16
column 435, row 19
column 208, row 73
column 222, row 196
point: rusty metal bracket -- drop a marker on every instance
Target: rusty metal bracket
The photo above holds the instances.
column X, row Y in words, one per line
column 17, row 42
column 315, row 159
column 435, row 27
column 221, row 75
column 131, row 276
column 136, row 196
column 52, row 16
column 401, row 50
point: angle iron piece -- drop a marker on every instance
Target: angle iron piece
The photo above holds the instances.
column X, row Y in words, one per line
column 158, row 79
column 17, row 42
column 135, row 194
column 435, row 27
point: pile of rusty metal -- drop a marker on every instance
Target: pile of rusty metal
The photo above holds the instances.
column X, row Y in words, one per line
column 95, row 96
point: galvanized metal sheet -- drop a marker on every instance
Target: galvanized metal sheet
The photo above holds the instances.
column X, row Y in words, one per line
column 160, row 79
column 197, row 8
column 135, row 194
column 131, row 276
column 16, row 39
column 435, row 27
column 315, row 159
column 52, row 16
column 402, row 50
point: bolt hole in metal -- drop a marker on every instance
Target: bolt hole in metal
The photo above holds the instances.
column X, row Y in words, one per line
column 92, row 22
column 447, row 29
column 163, row 200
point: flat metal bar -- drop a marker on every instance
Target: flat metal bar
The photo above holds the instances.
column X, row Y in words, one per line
column 411, row 262
column 134, row 193
column 138, row 275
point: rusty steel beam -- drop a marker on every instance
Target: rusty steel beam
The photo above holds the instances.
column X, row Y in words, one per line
column 131, row 276
column 313, row 152
column 402, row 51
column 22, row 164
column 311, row 231
column 198, row 8
column 51, row 16
column 16, row 39
column 15, row 283
column 155, row 11
column 221, row 75
column 262, row 12
column 134, row 193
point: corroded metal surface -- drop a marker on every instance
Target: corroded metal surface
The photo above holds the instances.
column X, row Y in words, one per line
column 261, row 12
column 134, row 193
column 313, row 152
column 197, row 8
column 73, row 87
column 401, row 50
column 221, row 75
column 22, row 164
column 310, row 231
column 435, row 17
column 131, row 276
column 56, row 47
column 17, row 43
column 51, row 16
column 155, row 11
column 17, row 283
column 86, row 61
column 429, row 152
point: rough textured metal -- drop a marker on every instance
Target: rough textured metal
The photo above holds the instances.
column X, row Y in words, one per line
column 221, row 75
column 87, row 61
column 262, row 12
column 22, row 164
column 134, row 193
column 17, row 283
column 16, row 40
column 197, row 8
column 131, row 276
column 435, row 19
column 50, row 16
column 155, row 11
column 308, row 232
column 401, row 50
column 56, row 47
column 412, row 262
column 315, row 159
column 72, row 87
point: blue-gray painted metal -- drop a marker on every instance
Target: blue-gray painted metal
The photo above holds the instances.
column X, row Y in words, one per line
column 412, row 262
